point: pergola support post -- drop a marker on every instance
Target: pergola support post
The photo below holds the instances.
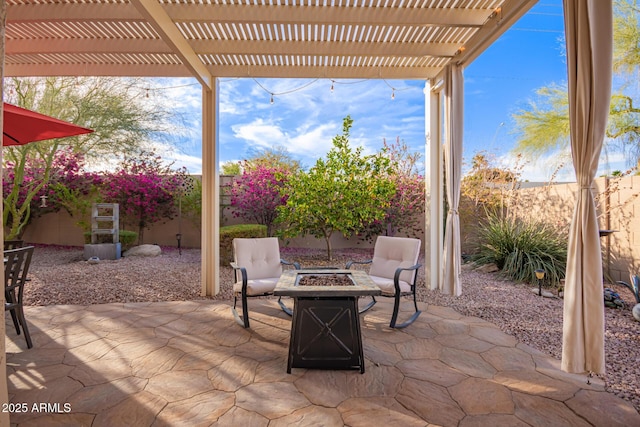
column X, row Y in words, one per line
column 210, row 271
column 4, row 394
column 434, row 186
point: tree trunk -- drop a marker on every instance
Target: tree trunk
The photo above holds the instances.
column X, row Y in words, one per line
column 327, row 239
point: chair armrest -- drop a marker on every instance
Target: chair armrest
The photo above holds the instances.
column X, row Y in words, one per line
column 294, row 264
column 243, row 272
column 350, row 263
column 399, row 270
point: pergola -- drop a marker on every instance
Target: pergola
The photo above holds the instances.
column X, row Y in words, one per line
column 430, row 40
column 209, row 39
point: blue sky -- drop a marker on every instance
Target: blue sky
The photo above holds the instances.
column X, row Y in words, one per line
column 306, row 114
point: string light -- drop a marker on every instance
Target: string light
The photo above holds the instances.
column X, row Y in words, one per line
column 148, row 89
column 393, row 89
column 272, row 95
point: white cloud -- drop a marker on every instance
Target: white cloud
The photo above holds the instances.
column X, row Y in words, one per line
column 259, row 133
column 192, row 163
column 313, row 142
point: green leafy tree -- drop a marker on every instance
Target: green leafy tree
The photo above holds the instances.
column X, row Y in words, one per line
column 343, row 193
column 626, row 37
column 543, row 125
column 112, row 107
column 274, row 157
column 230, row 168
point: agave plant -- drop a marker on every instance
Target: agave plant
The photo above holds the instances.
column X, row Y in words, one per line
column 633, row 287
column 519, row 248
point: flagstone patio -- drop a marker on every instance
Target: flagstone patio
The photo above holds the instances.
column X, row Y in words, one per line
column 190, row 364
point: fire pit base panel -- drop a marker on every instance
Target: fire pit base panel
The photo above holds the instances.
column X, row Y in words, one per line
column 325, row 334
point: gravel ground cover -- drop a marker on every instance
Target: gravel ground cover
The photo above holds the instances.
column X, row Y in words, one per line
column 59, row 275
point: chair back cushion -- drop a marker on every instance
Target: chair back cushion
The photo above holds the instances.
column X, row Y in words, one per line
column 390, row 253
column 261, row 257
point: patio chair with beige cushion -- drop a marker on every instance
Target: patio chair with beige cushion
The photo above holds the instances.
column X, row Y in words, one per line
column 394, row 268
column 16, row 267
column 258, row 267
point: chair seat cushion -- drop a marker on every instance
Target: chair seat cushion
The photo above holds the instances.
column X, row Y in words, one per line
column 387, row 287
column 257, row 286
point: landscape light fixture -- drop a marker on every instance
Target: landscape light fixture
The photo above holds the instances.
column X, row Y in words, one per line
column 540, row 277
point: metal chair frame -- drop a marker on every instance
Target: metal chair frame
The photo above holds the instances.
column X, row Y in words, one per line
column 244, row 321
column 16, row 267
column 396, row 296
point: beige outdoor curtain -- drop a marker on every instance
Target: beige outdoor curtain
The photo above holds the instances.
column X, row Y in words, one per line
column 453, row 111
column 588, row 27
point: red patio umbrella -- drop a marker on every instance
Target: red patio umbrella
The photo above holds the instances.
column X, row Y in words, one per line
column 21, row 126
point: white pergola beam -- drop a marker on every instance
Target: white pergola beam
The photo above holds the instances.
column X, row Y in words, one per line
column 228, row 47
column 508, row 14
column 321, row 48
column 177, row 70
column 93, row 12
column 334, row 72
column 93, row 69
column 155, row 14
column 253, row 13
column 334, row 15
column 93, row 46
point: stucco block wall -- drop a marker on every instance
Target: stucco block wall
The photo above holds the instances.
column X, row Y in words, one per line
column 58, row 228
column 551, row 203
column 618, row 210
column 61, row 229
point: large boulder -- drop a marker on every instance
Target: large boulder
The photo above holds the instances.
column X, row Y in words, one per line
column 143, row 250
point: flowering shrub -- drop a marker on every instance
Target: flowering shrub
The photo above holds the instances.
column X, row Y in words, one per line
column 61, row 180
column 404, row 213
column 70, row 187
column 256, row 194
column 145, row 189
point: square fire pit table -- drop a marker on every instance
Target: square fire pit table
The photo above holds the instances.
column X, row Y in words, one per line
column 325, row 330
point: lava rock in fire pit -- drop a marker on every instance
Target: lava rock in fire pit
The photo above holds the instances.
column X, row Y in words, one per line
column 325, row 280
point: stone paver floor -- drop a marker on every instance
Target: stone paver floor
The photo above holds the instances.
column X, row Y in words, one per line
column 190, row 364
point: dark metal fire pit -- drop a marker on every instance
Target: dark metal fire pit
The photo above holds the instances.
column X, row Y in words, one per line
column 325, row 330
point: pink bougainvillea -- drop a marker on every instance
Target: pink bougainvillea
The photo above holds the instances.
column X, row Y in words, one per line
column 44, row 188
column 404, row 214
column 145, row 189
column 255, row 195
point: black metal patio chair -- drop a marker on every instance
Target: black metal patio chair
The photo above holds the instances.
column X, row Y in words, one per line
column 16, row 267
